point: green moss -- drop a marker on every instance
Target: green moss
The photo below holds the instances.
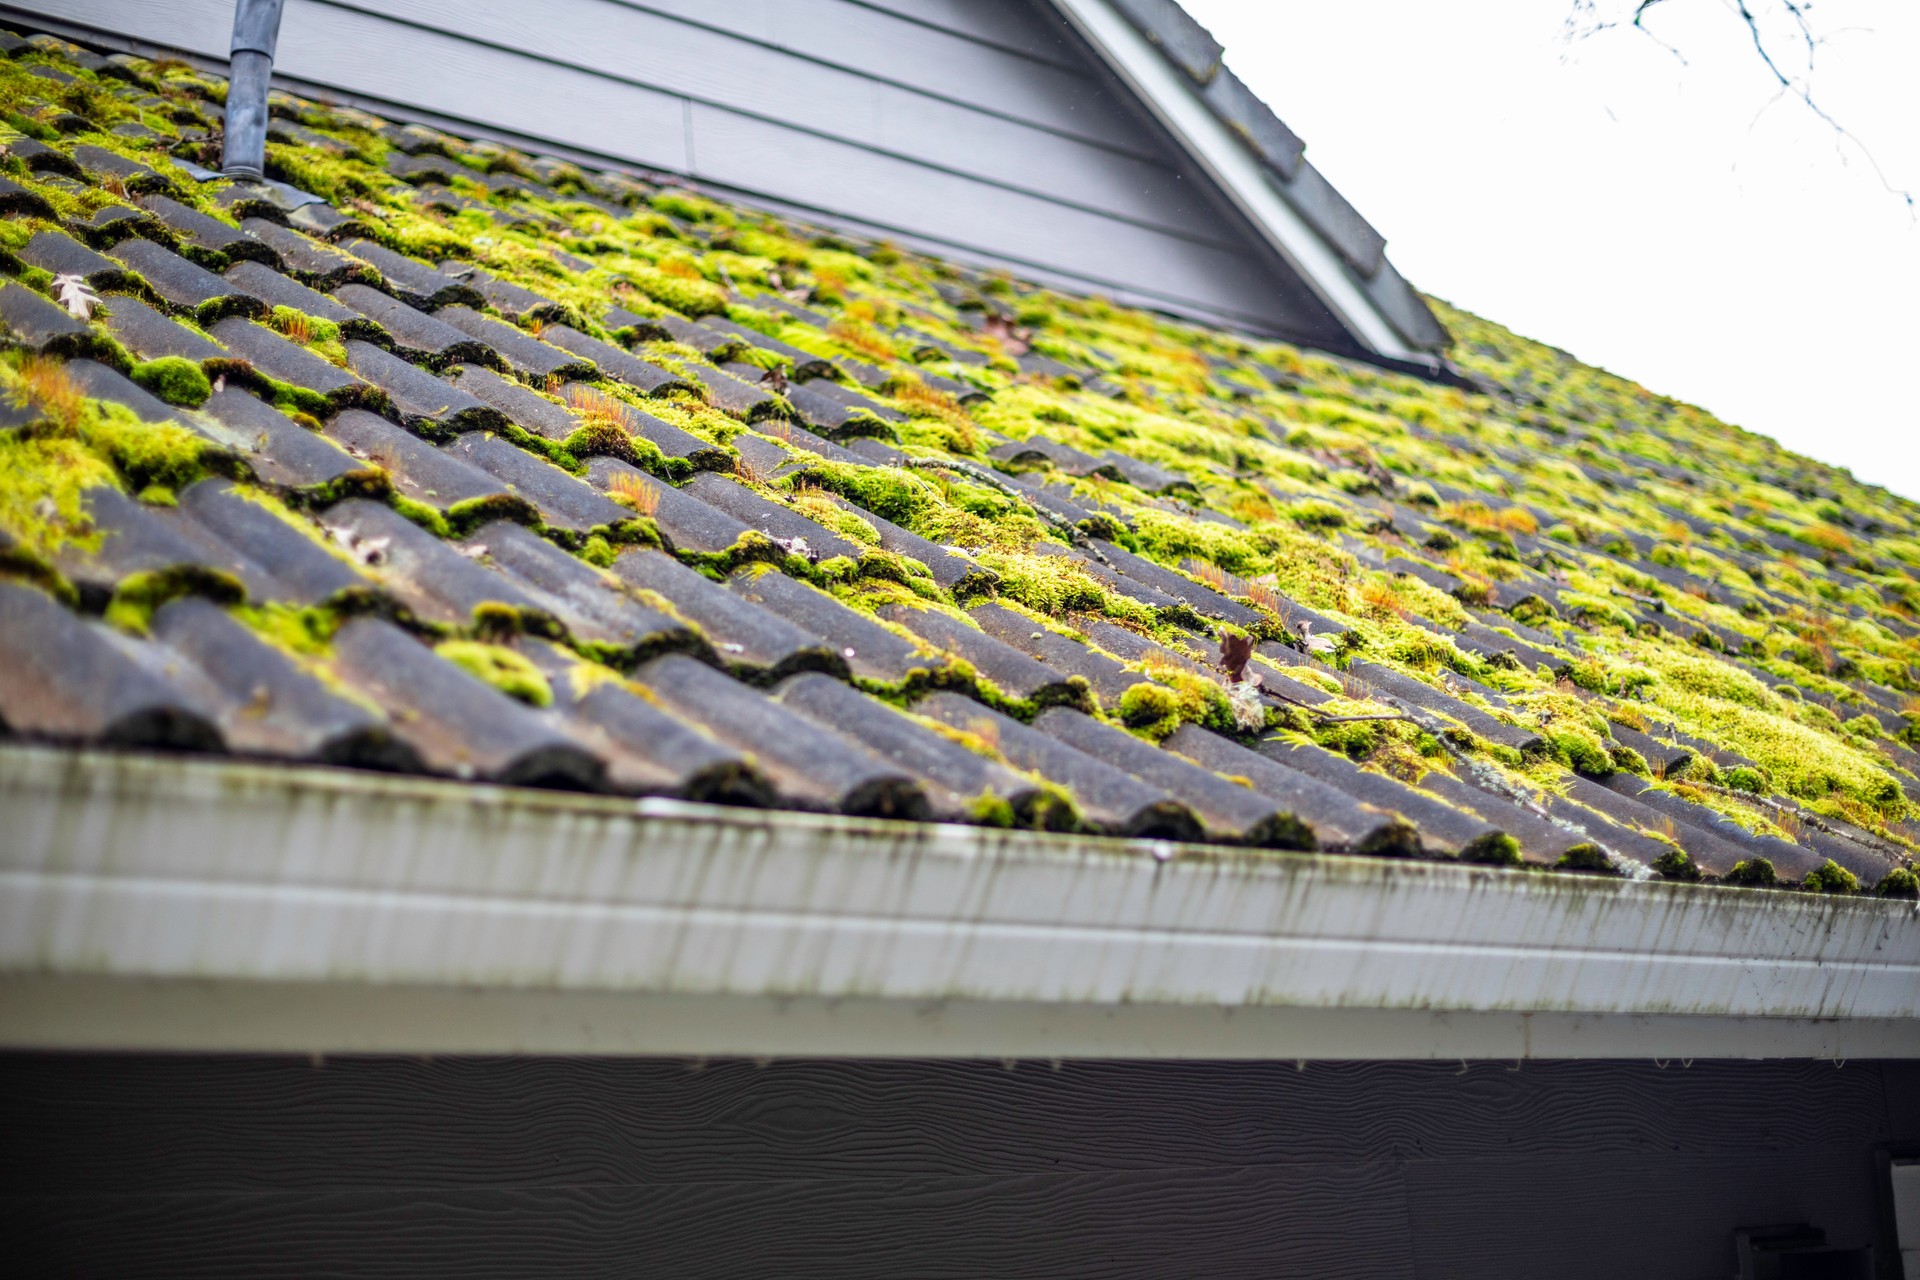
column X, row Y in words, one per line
column 1676, row 864
column 1831, row 877
column 1151, row 709
column 1585, row 857
column 174, row 380
column 509, row 672
column 1497, row 850
column 1899, row 883
column 139, row 595
column 1581, row 751
column 1746, row 778
column 1753, row 872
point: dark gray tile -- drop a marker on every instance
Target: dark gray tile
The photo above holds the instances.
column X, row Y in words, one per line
column 1108, row 800
column 600, row 614
column 520, row 351
column 1443, row 829
column 961, row 785
column 419, row 470
column 306, row 259
column 791, row 530
column 436, row 580
column 810, row 766
column 303, row 569
column 1012, row 672
column 615, row 363
column 1108, row 678
column 268, row 704
column 753, row 643
column 38, row 323
column 63, row 255
column 63, row 679
column 413, row 282
column 150, row 335
column 564, row 501
column 210, row 235
column 685, row 523
column 456, row 723
column 415, row 335
column 276, row 290
column 873, row 652
column 273, row 446
column 422, row 401
column 1227, row 811
column 1335, row 819
column 285, row 361
column 647, row 750
column 185, row 285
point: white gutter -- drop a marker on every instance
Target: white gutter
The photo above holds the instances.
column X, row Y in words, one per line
column 1165, row 92
column 167, row 903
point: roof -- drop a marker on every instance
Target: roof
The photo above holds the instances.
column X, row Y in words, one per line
column 1321, row 236
column 479, row 465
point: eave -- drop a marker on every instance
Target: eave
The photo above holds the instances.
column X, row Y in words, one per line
column 168, row 903
column 1172, row 100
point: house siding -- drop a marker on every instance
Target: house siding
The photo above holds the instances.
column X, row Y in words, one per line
column 252, row 1165
column 983, row 129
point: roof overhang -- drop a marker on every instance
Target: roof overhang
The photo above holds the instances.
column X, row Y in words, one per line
column 1177, row 105
column 168, row 903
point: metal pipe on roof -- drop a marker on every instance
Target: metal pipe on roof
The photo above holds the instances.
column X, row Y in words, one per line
column 256, row 29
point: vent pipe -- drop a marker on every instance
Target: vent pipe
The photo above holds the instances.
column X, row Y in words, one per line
column 256, row 28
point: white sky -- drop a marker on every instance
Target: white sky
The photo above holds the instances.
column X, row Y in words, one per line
column 1679, row 224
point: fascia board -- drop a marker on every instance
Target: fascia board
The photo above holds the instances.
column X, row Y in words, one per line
column 1161, row 88
column 164, row 872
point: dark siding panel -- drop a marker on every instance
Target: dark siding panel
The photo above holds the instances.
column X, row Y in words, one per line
column 239, row 1166
column 1582, row 1217
column 134, row 1127
column 1211, row 1222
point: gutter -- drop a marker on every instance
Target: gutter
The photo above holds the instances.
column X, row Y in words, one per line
column 1160, row 86
column 152, row 902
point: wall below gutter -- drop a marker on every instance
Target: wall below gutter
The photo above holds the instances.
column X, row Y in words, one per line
column 170, row 903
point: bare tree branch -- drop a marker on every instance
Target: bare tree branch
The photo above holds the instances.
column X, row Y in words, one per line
column 1587, row 18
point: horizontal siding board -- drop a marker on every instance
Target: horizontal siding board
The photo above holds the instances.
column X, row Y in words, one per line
column 1014, row 25
column 1664, row 1215
column 1340, row 1222
column 752, row 155
column 454, row 76
column 144, row 1125
column 874, row 44
column 197, row 26
column 723, row 70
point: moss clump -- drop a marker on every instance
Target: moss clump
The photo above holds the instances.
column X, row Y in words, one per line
column 1746, row 778
column 1584, row 857
column 175, row 380
column 1151, row 709
column 140, row 595
column 1831, row 877
column 1582, row 752
column 1757, row 873
column 1676, row 864
column 1497, row 850
column 505, row 670
column 1900, row 882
